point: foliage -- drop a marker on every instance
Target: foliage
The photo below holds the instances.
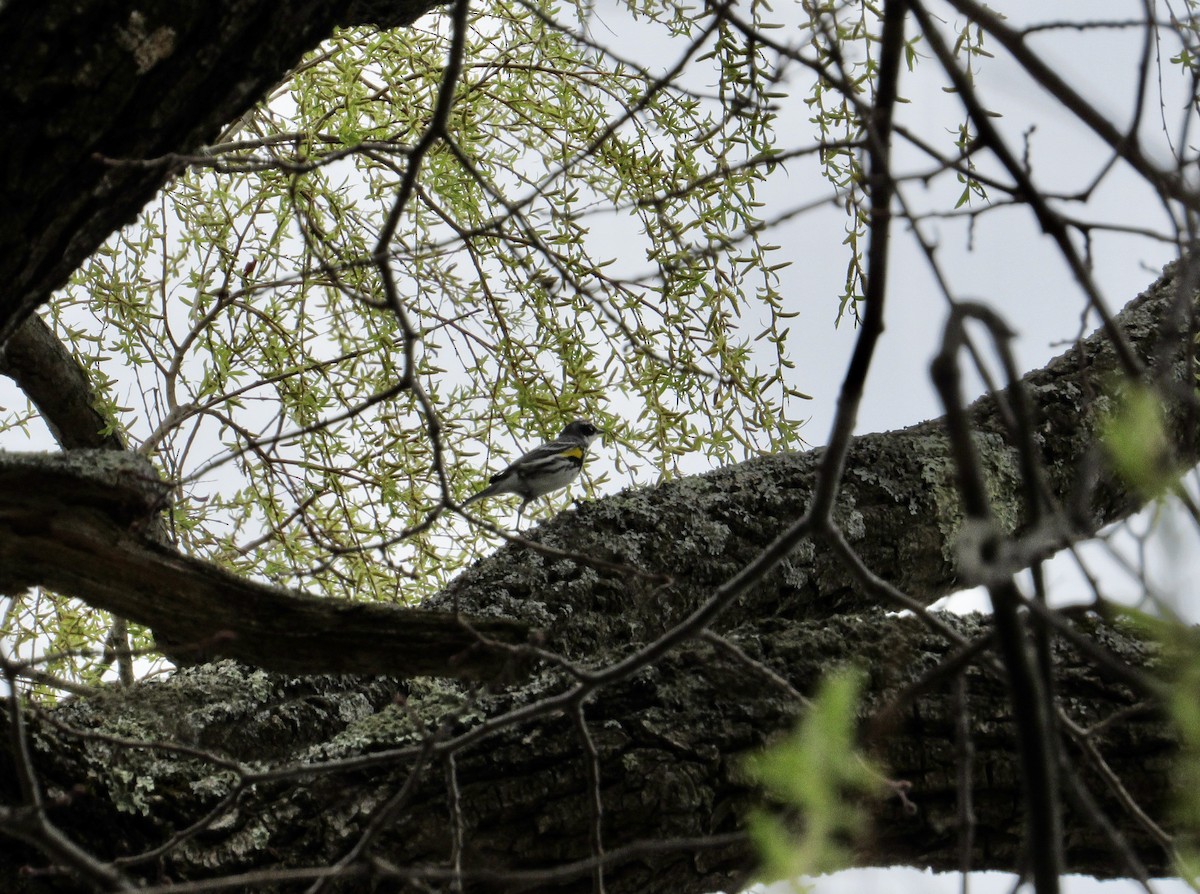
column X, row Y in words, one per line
column 817, row 772
column 238, row 334
column 1135, row 438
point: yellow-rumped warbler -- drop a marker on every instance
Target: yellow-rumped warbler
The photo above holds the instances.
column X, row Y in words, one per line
column 553, row 465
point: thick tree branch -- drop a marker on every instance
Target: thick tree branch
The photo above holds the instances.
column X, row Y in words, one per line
column 58, row 386
column 80, row 524
column 898, row 507
column 163, row 78
column 667, row 745
column 666, row 736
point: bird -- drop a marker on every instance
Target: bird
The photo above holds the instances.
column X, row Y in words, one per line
column 543, row 469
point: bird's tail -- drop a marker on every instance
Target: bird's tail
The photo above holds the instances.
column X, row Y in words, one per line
column 486, row 492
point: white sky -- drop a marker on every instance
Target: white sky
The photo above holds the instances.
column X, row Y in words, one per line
column 915, row 881
column 1010, row 265
column 1018, row 271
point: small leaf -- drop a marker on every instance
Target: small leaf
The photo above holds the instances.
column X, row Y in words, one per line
column 1135, row 437
column 816, row 772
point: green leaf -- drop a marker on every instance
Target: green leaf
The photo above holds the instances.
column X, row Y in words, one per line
column 817, row 775
column 1134, row 435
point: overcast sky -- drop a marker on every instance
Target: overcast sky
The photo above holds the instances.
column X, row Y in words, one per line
column 1010, row 265
column 1005, row 262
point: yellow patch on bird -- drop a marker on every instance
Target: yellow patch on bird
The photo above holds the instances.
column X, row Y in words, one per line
column 573, row 453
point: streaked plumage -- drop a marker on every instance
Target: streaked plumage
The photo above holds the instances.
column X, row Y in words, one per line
column 543, row 469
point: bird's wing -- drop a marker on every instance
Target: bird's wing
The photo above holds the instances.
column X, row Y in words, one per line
column 539, row 457
column 531, row 462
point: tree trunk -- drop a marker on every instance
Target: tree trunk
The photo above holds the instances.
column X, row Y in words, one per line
column 97, row 101
column 422, row 780
column 669, row 740
column 497, row 782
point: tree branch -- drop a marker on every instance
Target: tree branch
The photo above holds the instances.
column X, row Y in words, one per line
column 666, row 749
column 78, row 523
column 165, row 78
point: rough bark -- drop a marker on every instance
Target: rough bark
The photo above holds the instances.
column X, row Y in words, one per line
column 302, row 764
column 668, row 737
column 96, row 97
column 81, row 524
column 58, row 386
column 669, row 740
column 85, row 536
column 898, row 508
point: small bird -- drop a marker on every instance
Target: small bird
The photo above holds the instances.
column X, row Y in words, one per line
column 543, row 469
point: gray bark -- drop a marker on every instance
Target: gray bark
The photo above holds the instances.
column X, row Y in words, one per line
column 276, row 773
column 668, row 735
column 96, row 98
column 669, row 740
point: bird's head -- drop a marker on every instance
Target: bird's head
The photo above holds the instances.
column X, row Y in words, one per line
column 581, row 428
